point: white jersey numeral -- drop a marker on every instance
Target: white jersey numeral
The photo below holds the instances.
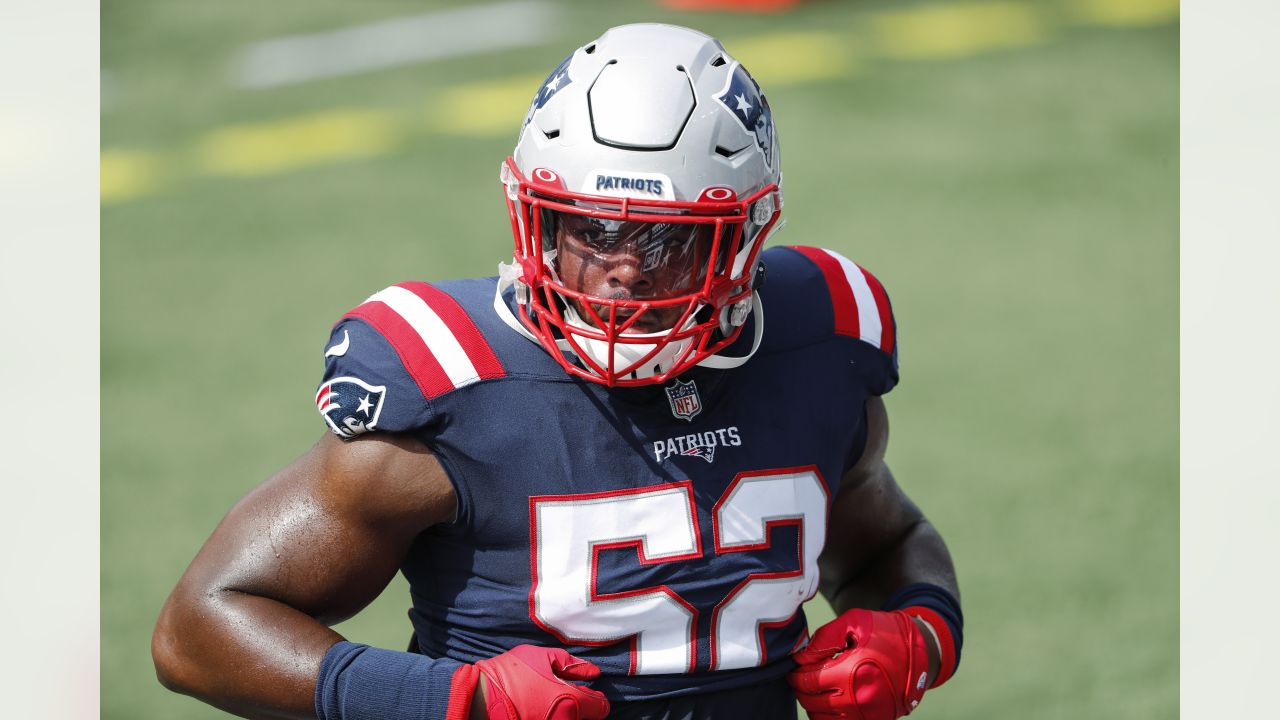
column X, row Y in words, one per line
column 570, row 531
column 742, row 519
column 660, row 522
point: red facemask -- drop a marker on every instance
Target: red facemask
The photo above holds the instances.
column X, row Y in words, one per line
column 638, row 290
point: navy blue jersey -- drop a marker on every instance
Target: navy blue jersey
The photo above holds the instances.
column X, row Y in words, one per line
column 670, row 533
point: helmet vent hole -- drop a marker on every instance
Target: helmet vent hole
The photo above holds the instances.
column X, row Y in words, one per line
column 589, row 49
column 717, row 61
column 552, row 134
column 723, row 151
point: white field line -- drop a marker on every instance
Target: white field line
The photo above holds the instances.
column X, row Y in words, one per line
column 418, row 38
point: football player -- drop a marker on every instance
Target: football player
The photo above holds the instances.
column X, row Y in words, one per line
column 611, row 475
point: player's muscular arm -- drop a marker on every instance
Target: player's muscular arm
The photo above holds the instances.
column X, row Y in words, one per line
column 878, row 539
column 247, row 625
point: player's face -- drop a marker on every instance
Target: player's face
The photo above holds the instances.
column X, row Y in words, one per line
column 632, row 261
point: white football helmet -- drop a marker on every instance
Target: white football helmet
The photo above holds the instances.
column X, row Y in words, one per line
column 642, row 187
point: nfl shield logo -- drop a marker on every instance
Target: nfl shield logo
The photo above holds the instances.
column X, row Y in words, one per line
column 685, row 403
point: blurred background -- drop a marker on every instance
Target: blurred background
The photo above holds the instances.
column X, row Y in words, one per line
column 1008, row 169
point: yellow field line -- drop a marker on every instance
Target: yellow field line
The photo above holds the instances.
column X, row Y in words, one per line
column 280, row 146
column 794, row 57
column 483, row 109
column 953, row 31
column 126, row 174
column 1127, row 12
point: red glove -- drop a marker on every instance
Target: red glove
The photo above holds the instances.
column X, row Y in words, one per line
column 529, row 683
column 878, row 671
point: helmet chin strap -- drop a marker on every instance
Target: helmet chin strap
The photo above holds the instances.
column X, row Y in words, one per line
column 509, row 276
column 723, row 362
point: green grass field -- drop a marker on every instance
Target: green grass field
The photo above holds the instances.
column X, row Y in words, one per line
column 1009, row 170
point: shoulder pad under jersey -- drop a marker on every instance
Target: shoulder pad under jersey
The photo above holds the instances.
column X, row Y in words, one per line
column 822, row 293
column 392, row 355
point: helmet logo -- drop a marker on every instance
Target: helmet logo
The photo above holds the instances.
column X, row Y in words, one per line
column 684, row 400
column 558, row 80
column 743, row 99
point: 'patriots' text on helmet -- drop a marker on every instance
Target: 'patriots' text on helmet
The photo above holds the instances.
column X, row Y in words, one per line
column 642, row 187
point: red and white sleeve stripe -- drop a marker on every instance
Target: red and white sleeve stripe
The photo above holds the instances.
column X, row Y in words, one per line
column 437, row 341
column 858, row 299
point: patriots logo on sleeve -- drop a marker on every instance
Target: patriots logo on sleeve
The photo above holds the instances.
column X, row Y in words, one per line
column 350, row 405
column 742, row 97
